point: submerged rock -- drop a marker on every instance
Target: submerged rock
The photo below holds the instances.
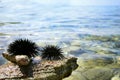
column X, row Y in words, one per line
column 44, row 70
column 96, row 67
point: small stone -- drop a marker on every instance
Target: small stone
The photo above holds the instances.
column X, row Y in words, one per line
column 36, row 60
column 22, row 59
column 18, row 59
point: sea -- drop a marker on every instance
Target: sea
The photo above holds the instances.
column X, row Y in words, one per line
column 59, row 24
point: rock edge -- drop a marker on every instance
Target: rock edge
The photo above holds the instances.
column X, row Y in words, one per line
column 44, row 70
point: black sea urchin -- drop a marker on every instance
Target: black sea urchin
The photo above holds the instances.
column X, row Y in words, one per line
column 51, row 52
column 23, row 47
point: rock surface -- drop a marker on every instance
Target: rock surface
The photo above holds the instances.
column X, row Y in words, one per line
column 97, row 67
column 18, row 59
column 44, row 70
column 98, row 57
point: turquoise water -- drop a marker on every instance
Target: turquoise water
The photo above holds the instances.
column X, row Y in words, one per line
column 55, row 24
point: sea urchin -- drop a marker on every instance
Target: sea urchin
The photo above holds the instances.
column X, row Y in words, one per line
column 51, row 52
column 23, row 47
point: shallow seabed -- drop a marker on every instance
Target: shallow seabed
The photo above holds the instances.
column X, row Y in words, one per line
column 87, row 32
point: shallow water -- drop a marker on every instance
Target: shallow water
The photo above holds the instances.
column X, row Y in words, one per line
column 61, row 25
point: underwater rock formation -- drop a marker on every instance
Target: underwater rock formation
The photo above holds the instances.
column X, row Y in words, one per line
column 96, row 67
column 44, row 70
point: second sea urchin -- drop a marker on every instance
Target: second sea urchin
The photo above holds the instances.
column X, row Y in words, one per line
column 51, row 52
column 23, row 47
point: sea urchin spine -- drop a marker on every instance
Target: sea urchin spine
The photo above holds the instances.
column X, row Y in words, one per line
column 23, row 47
column 51, row 52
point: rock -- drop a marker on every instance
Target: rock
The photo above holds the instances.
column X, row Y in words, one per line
column 92, row 74
column 10, row 70
column 95, row 60
column 96, row 67
column 36, row 60
column 44, row 70
column 98, row 74
column 118, row 59
column 22, row 60
column 116, row 77
column 18, row 59
column 9, row 57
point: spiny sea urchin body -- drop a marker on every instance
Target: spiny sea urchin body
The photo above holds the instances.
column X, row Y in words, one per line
column 23, row 47
column 51, row 52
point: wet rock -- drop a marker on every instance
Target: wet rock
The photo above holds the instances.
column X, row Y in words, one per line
column 95, row 60
column 116, row 77
column 10, row 70
column 98, row 74
column 44, row 70
column 22, row 60
column 96, row 67
column 18, row 59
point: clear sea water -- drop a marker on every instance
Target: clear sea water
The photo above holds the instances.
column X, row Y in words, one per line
column 49, row 24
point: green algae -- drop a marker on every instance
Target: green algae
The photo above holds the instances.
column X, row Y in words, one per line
column 14, row 22
column 103, row 38
column 2, row 24
column 2, row 34
column 6, row 23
